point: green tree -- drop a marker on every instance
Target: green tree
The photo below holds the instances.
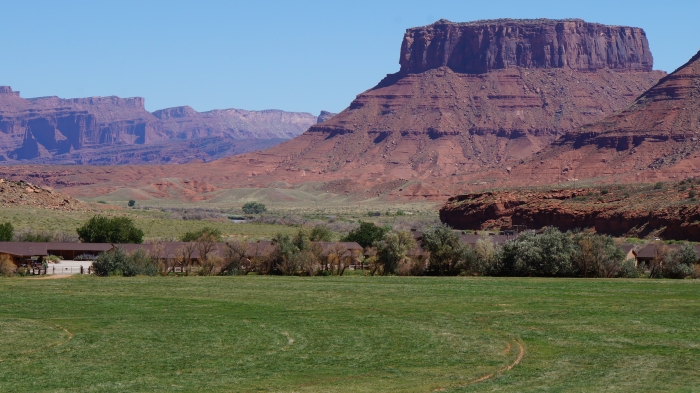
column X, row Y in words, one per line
column 367, row 234
column 193, row 236
column 102, row 229
column 7, row 232
column 596, row 255
column 321, row 233
column 448, row 253
column 286, row 249
column 132, row 203
column 546, row 255
column 392, row 250
column 254, row 208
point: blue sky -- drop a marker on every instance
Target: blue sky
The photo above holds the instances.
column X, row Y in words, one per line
column 290, row 55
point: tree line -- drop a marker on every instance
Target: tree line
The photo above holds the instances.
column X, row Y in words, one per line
column 551, row 253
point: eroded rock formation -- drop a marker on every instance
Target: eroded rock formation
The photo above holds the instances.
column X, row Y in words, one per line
column 99, row 130
column 657, row 136
column 443, row 118
column 482, row 46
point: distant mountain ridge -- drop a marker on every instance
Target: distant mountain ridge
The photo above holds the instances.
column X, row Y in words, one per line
column 114, row 130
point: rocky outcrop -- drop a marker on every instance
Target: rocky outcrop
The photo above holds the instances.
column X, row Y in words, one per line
column 25, row 194
column 482, row 46
column 113, row 130
column 618, row 211
column 324, row 116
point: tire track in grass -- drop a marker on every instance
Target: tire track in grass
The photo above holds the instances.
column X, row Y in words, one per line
column 70, row 335
column 518, row 359
column 48, row 346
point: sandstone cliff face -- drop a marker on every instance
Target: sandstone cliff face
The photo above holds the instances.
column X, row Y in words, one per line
column 113, row 130
column 619, row 211
column 452, row 112
column 479, row 47
column 48, row 126
column 657, row 137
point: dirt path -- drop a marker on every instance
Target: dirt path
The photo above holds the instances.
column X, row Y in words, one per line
column 51, row 277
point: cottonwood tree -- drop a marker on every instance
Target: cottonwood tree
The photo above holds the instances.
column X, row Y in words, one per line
column 157, row 254
column 448, row 253
column 597, row 255
column 393, row 249
column 208, row 254
column 184, row 256
column 484, row 257
column 235, row 259
column 367, row 234
column 336, row 262
column 661, row 251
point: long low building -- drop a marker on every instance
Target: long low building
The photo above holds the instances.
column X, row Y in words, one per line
column 28, row 253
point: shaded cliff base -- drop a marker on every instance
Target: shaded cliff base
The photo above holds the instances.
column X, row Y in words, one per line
column 668, row 210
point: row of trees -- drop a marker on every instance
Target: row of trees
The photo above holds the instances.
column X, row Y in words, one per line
column 549, row 254
column 300, row 254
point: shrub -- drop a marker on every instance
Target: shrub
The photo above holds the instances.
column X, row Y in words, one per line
column 118, row 263
column 628, row 270
column 140, row 263
column 132, row 203
column 691, row 194
column 680, row 263
column 367, row 234
column 53, row 259
column 658, row 186
column 108, row 263
column 102, row 229
column 7, row 232
column 34, row 236
column 196, row 235
column 254, row 208
column 548, row 254
column 604, row 192
column 7, row 267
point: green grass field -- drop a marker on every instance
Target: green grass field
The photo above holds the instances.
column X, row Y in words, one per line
column 348, row 334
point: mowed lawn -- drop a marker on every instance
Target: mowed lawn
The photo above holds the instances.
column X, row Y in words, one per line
column 348, row 334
